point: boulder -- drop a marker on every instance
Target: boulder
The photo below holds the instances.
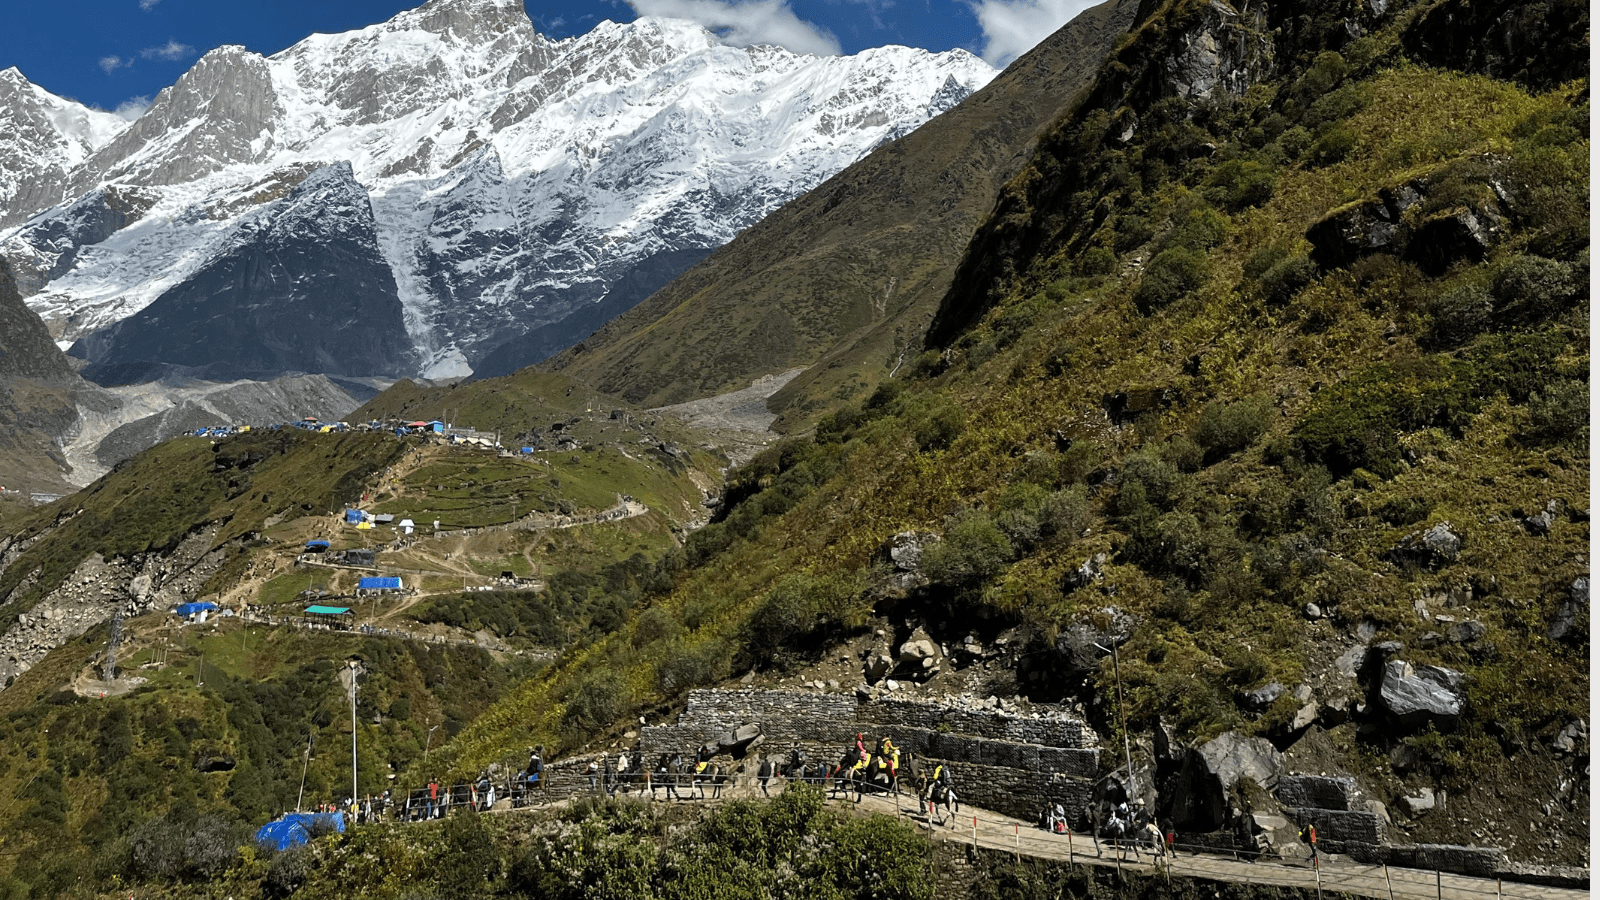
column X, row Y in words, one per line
column 735, row 743
column 1091, row 572
column 918, row 649
column 1465, row 632
column 1420, row 802
column 1573, row 739
column 1081, row 640
column 1304, row 718
column 903, row 554
column 879, row 663
column 1199, row 792
column 1573, row 608
column 1539, row 524
column 1262, row 697
column 1414, row 696
column 1430, row 549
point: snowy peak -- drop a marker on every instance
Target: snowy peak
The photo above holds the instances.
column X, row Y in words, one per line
column 518, row 190
column 43, row 137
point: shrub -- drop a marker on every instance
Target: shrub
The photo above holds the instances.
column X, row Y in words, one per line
column 597, row 699
column 655, row 624
column 1064, row 513
column 686, row 667
column 1560, row 413
column 1532, row 289
column 1459, row 314
column 1172, row 274
column 1148, row 480
column 1333, row 144
column 1096, row 261
column 1132, row 232
column 1286, row 277
column 973, row 551
column 1240, row 184
column 287, row 872
column 940, row 427
column 1226, row 428
column 1184, row 454
column 795, row 607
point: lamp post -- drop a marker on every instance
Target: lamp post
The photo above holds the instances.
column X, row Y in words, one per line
column 1122, row 712
column 354, row 670
column 425, row 744
column 299, row 802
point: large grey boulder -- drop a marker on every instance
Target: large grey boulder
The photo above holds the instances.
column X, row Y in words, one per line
column 1573, row 607
column 1417, row 695
column 1431, row 549
column 1198, row 793
column 1081, row 640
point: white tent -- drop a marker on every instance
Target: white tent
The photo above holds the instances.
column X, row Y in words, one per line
column 407, row 526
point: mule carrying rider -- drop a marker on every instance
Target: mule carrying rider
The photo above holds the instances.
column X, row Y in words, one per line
column 890, row 754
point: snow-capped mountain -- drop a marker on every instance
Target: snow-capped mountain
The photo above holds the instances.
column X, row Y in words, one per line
column 496, row 193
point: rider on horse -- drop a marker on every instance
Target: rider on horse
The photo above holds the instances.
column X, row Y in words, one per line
column 891, row 756
column 702, row 759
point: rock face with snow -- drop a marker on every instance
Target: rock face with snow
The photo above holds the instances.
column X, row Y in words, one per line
column 520, row 191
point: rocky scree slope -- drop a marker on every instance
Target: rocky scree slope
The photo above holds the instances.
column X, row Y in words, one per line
column 850, row 272
column 497, row 185
column 1269, row 369
column 39, row 392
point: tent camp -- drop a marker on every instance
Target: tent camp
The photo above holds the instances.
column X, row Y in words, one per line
column 377, row 583
column 192, row 610
column 354, row 516
column 316, row 546
column 295, row 829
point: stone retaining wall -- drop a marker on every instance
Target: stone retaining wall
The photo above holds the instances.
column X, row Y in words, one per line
column 1014, row 764
column 1341, row 831
column 1316, row 792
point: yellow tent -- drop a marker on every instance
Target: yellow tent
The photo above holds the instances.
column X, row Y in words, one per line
column 364, row 525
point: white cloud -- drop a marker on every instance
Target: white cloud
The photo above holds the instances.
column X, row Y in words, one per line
column 745, row 22
column 131, row 108
column 148, row 5
column 1013, row 27
column 113, row 63
column 171, row 50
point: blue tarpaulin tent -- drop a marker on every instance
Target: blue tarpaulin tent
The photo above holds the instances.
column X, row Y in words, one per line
column 316, row 546
column 527, row 450
column 436, row 426
column 295, row 829
column 192, row 609
column 390, row 583
column 353, row 516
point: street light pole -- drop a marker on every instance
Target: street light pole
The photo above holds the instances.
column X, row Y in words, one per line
column 425, row 744
column 354, row 789
column 1122, row 712
column 299, row 802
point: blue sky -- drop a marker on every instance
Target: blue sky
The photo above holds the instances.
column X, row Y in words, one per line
column 119, row 53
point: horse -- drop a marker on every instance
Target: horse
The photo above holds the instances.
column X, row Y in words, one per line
column 797, row 769
column 714, row 773
column 878, row 776
column 668, row 774
column 1133, row 831
column 844, row 775
column 634, row 775
column 938, row 794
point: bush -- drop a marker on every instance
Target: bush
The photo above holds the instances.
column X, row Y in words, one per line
column 1064, row 514
column 1332, row 145
column 1458, row 315
column 796, row 607
column 1227, row 428
column 598, row 698
column 940, row 428
column 1148, row 480
column 287, row 872
column 1238, row 184
column 687, row 667
column 1532, row 289
column 655, row 624
column 1172, row 274
column 1560, row 413
column 1286, row 277
column 1096, row 261
column 973, row 551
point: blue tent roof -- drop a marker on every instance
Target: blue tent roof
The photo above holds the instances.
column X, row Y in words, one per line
column 389, row 583
column 527, row 449
column 189, row 609
column 317, row 545
column 294, row 829
column 353, row 516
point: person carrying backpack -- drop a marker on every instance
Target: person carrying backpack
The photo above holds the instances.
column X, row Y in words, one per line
column 1309, row 835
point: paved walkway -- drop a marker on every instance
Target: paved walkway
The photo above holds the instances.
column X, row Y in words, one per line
column 1338, row 875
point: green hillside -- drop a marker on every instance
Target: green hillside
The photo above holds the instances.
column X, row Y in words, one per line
column 1162, row 349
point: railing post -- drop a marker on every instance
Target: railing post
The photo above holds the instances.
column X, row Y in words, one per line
column 1072, row 859
column 1438, row 884
column 1016, row 835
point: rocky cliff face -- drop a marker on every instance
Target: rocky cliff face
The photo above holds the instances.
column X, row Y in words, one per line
column 37, row 384
column 521, row 190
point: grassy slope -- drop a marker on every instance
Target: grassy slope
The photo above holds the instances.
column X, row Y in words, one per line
column 1218, row 568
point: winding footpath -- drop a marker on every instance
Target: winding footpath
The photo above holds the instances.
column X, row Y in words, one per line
column 993, row 831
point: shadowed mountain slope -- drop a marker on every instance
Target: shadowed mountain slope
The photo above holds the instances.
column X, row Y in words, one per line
column 855, row 267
